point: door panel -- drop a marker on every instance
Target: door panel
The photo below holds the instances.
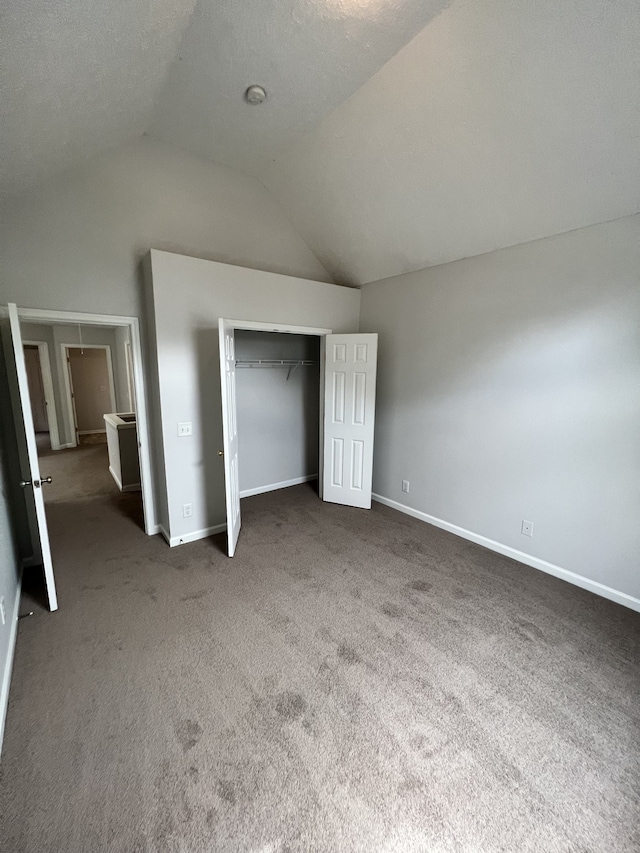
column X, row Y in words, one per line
column 349, row 413
column 230, row 432
column 27, row 449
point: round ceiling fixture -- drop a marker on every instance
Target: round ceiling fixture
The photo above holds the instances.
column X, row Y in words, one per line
column 255, row 95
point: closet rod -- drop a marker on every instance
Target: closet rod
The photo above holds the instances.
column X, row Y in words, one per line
column 275, row 362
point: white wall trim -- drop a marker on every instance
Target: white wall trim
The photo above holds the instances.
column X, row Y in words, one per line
column 67, row 446
column 8, row 663
column 260, row 490
column 535, row 563
column 193, row 535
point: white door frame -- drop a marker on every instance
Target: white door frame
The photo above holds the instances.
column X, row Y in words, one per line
column 47, row 383
column 68, row 384
column 256, row 326
column 144, row 444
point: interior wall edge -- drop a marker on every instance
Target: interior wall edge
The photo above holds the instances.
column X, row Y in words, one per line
column 600, row 589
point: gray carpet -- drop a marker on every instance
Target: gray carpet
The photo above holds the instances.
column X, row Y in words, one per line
column 77, row 473
column 350, row 681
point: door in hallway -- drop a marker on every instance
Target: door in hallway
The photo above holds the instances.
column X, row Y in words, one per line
column 32, row 482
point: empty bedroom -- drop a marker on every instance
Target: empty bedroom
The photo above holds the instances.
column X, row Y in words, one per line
column 319, row 445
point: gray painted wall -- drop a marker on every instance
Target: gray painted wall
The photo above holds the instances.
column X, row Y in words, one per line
column 509, row 389
column 189, row 295
column 278, row 418
column 76, row 242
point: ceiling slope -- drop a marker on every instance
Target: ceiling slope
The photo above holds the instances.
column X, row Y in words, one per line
column 308, row 54
column 499, row 123
column 79, row 77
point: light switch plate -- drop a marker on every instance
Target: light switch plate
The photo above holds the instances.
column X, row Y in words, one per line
column 185, row 429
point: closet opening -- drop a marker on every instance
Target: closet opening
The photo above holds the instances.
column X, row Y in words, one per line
column 278, row 409
column 276, row 436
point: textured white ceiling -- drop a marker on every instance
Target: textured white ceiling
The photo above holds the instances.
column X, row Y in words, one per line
column 308, row 54
column 501, row 122
column 79, row 76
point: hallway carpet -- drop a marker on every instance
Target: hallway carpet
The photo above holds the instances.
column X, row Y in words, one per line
column 350, row 681
column 78, row 473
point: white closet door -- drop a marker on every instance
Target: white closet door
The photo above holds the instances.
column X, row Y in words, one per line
column 27, row 449
column 230, row 431
column 349, row 413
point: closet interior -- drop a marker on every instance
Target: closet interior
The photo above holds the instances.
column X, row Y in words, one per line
column 278, row 409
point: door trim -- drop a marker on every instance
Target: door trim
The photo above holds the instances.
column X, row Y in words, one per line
column 228, row 325
column 255, row 326
column 144, row 443
column 47, row 382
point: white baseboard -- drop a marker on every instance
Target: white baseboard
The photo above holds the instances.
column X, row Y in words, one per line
column 65, row 446
column 260, row 490
column 221, row 528
column 90, row 431
column 8, row 664
column 115, row 477
column 193, row 536
column 535, row 563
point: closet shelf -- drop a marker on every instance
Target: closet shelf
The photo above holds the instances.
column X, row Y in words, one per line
column 292, row 363
column 275, row 362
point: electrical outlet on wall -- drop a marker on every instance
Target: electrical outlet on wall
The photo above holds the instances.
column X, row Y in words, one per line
column 527, row 528
column 187, row 510
column 405, row 486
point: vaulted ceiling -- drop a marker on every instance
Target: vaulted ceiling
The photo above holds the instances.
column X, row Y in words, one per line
column 397, row 134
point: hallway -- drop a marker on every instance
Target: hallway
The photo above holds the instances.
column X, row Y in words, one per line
column 77, row 474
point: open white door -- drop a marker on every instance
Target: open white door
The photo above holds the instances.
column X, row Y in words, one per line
column 28, row 453
column 349, row 415
column 229, row 431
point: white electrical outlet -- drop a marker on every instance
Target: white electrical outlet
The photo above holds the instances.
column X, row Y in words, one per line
column 187, row 510
column 2, row 613
column 405, row 486
column 527, row 528
column 185, row 429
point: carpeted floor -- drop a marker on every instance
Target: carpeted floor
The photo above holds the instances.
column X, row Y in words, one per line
column 78, row 473
column 350, row 681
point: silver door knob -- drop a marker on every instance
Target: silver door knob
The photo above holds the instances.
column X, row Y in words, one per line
column 24, row 483
column 46, row 480
column 221, row 453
